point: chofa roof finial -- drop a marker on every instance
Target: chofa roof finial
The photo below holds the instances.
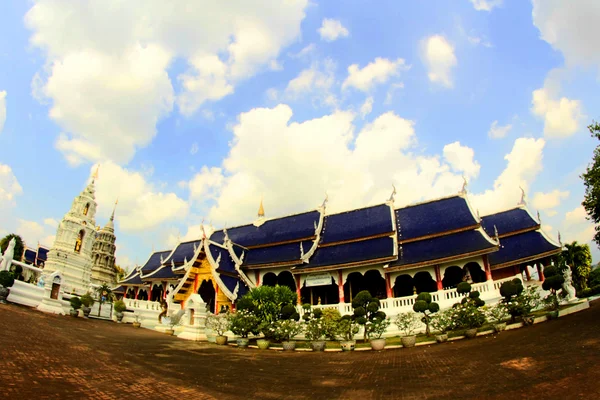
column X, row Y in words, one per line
column 261, row 209
column 463, row 190
column 393, row 193
column 522, row 202
column 325, row 201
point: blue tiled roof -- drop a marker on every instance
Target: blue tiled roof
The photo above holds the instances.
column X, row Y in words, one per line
column 218, row 237
column 434, row 217
column 226, row 264
column 356, row 224
column 524, row 245
column 354, row 252
column 119, row 289
column 166, row 272
column 154, row 261
column 133, row 280
column 278, row 230
column 508, row 221
column 182, row 252
column 440, row 247
column 29, row 256
column 276, row 254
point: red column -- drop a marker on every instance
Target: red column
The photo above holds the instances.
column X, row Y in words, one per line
column 488, row 270
column 527, row 273
column 257, row 275
column 216, row 298
column 298, row 295
column 164, row 290
column 517, row 270
column 388, row 286
column 540, row 272
column 196, row 282
column 438, row 277
column 341, row 287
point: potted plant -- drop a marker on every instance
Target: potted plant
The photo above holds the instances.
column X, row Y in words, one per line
column 553, row 282
column 425, row 306
column 315, row 328
column 119, row 307
column 347, row 327
column 286, row 330
column 87, row 301
column 136, row 323
column 497, row 314
column 6, row 281
column 220, row 324
column 519, row 301
column 366, row 309
column 375, row 329
column 75, row 306
column 407, row 323
column 243, row 323
column 469, row 317
column 442, row 322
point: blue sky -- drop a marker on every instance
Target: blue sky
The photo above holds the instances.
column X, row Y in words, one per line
column 197, row 112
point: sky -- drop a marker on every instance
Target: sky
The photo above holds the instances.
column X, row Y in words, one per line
column 195, row 111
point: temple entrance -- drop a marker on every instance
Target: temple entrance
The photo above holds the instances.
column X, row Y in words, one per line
column 403, row 286
column 325, row 294
column 207, row 292
column 55, row 288
column 285, row 278
column 157, row 293
column 371, row 281
column 452, row 276
column 475, row 271
column 142, row 295
column 424, row 282
column 130, row 293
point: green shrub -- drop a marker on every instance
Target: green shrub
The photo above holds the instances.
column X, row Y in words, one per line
column 87, row 300
column 75, row 302
column 119, row 306
column 467, row 315
column 366, row 309
column 442, row 321
column 553, row 282
column 463, row 288
column 592, row 291
column 407, row 323
column 6, row 279
column 243, row 323
column 511, row 288
column 594, row 278
column 424, row 306
column 347, row 327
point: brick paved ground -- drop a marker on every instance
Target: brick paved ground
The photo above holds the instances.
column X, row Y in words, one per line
column 46, row 356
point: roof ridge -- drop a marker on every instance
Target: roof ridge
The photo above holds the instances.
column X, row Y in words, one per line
column 420, row 203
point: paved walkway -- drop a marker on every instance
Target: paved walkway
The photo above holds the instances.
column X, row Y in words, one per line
column 46, row 356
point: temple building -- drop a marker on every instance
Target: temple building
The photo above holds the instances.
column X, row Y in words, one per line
column 395, row 253
column 75, row 241
column 103, row 254
column 36, row 257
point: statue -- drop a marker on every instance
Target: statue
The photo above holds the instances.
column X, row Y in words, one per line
column 7, row 258
column 568, row 289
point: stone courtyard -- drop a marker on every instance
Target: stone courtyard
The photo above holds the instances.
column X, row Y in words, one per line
column 47, row 356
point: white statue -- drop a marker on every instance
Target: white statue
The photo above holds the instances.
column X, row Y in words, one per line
column 8, row 255
column 567, row 286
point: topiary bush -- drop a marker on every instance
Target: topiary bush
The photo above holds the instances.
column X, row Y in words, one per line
column 366, row 309
column 519, row 302
column 119, row 306
column 553, row 282
column 75, row 302
column 6, row 279
column 511, row 288
column 425, row 306
column 87, row 300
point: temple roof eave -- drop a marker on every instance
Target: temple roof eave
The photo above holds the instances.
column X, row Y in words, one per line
column 438, row 261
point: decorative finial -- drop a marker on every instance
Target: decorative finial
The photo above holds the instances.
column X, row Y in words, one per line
column 325, row 201
column 112, row 217
column 261, row 209
column 463, row 190
column 559, row 240
column 538, row 215
column 95, row 174
column 522, row 202
column 478, row 216
column 496, row 232
column 393, row 193
column 202, row 228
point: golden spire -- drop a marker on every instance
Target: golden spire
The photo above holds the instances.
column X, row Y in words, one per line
column 112, row 217
column 95, row 175
column 261, row 209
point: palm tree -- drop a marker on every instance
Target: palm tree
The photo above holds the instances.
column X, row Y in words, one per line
column 579, row 258
column 104, row 293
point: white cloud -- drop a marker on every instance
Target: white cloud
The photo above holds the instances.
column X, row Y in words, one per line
column 524, row 163
column 461, row 159
column 556, row 21
column 277, row 160
column 141, row 205
column 51, row 222
column 2, row 109
column 205, row 183
column 315, row 81
column 332, row 29
column 476, row 40
column 577, row 227
column 438, row 55
column 106, row 76
column 549, row 201
column 376, row 72
column 194, row 148
column 485, row 5
column 367, row 107
column 34, row 233
column 562, row 117
column 9, row 187
column 389, row 97
column 498, row 131
column 305, row 52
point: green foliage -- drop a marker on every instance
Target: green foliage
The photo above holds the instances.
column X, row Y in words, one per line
column 104, row 293
column 6, row 279
column 591, row 180
column 219, row 323
column 119, row 306
column 407, row 323
column 366, row 309
column 522, row 304
column 497, row 313
column 594, row 278
column 424, row 306
column 243, row 323
column 286, row 329
column 511, row 288
column 579, row 258
column 592, row 291
column 442, row 321
column 463, row 288
column 267, row 302
column 377, row 327
column 19, row 246
column 467, row 315
column 330, row 318
column 347, row 327
column 553, row 282
column 87, row 300
column 75, row 302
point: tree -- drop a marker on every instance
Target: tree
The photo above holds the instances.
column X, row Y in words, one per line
column 425, row 306
column 19, row 246
column 553, row 282
column 579, row 258
column 366, row 309
column 120, row 272
column 591, row 180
